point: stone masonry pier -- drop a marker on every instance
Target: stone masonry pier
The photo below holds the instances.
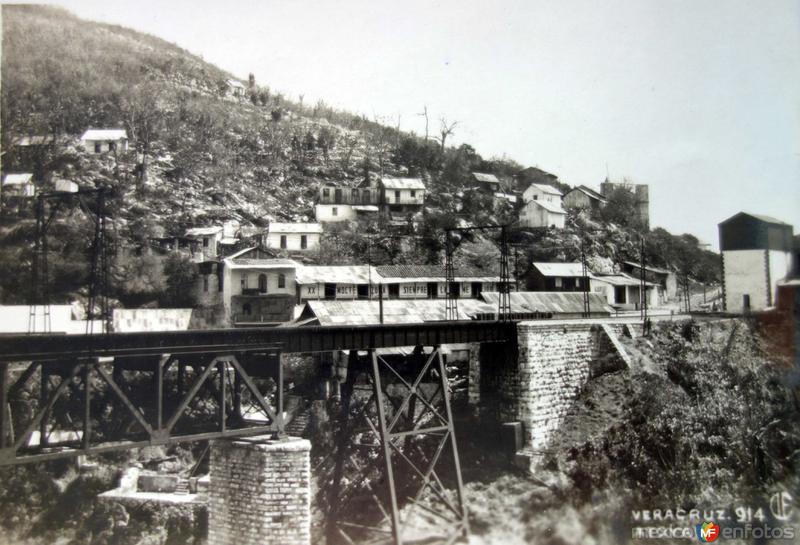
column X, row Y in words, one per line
column 259, row 492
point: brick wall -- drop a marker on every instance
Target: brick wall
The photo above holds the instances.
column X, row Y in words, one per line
column 259, row 492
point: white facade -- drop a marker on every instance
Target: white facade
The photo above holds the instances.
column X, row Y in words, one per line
column 543, row 193
column 105, row 140
column 66, row 186
column 624, row 294
column 753, row 275
column 542, row 214
column 293, row 236
column 404, row 196
column 208, row 239
column 334, row 212
column 18, row 185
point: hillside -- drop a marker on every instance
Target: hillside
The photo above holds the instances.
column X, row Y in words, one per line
column 200, row 156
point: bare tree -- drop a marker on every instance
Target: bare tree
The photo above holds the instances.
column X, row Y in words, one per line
column 446, row 129
column 425, row 113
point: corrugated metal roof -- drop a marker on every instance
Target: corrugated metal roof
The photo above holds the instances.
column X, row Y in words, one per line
column 507, row 196
column 554, row 207
column 104, row 134
column 243, row 263
column 544, row 188
column 588, row 191
column 402, row 183
column 619, row 280
column 488, row 178
column 336, row 274
column 657, row 270
column 276, row 227
column 559, row 269
column 395, row 311
column 202, row 231
column 413, row 272
column 550, row 301
column 18, row 179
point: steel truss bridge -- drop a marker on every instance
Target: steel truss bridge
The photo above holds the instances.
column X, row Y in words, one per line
column 395, row 449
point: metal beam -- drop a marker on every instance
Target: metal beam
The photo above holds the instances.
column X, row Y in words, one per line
column 50, row 347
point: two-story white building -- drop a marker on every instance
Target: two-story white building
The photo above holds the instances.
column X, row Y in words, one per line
column 206, row 241
column 342, row 203
column 542, row 207
column 105, row 140
column 402, row 195
column 257, row 289
column 292, row 236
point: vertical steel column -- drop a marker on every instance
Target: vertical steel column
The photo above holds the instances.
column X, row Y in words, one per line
column 451, row 303
column 504, row 303
column 454, row 447
column 44, row 389
column 222, row 401
column 160, row 394
column 237, row 396
column 280, row 424
column 87, row 404
column 585, row 280
column 4, row 416
column 387, row 448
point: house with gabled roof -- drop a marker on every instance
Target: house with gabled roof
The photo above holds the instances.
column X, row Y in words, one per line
column 584, row 198
column 756, row 257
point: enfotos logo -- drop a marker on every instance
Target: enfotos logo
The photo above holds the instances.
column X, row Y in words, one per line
column 707, row 532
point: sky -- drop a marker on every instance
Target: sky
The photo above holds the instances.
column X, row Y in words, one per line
column 699, row 99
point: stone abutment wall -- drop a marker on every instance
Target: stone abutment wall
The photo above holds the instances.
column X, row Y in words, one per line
column 538, row 384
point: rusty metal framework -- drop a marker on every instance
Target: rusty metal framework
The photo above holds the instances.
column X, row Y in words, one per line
column 395, row 422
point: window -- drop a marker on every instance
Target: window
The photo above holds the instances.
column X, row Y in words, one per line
column 283, row 242
column 281, row 280
column 243, row 282
column 397, row 195
column 394, row 291
column 246, row 309
column 112, row 146
column 205, row 284
column 98, row 147
column 413, row 193
column 363, row 291
column 536, row 197
column 303, row 242
column 205, row 243
column 334, row 211
column 558, row 282
column 262, row 283
column 326, row 192
column 330, row 291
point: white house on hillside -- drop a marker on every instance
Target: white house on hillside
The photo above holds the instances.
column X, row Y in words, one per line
column 208, row 239
column 105, row 140
column 292, row 236
column 542, row 207
column 18, row 185
column 542, row 214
